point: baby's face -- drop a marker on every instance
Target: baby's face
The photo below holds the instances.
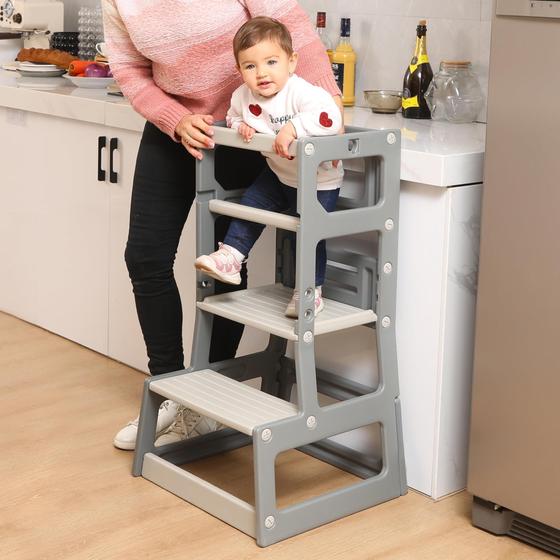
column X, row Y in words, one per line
column 266, row 67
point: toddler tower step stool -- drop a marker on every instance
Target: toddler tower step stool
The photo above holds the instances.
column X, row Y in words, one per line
column 358, row 291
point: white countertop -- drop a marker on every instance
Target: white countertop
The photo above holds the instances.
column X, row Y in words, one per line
column 434, row 153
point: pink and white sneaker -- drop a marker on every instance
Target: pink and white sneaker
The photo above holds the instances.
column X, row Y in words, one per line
column 291, row 309
column 222, row 265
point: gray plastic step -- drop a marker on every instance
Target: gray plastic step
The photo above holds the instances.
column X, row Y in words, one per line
column 263, row 308
column 228, row 401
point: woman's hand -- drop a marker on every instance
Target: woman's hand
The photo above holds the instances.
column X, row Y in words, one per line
column 195, row 132
column 246, row 131
column 286, row 135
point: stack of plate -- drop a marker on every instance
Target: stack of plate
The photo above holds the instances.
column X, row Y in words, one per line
column 34, row 70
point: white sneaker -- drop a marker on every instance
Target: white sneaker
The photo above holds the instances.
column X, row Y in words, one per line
column 187, row 424
column 221, row 265
column 291, row 309
column 126, row 438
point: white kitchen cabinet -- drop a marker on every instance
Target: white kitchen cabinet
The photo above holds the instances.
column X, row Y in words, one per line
column 54, row 230
column 63, row 234
column 436, row 297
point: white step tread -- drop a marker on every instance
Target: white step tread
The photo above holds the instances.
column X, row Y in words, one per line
column 263, row 308
column 282, row 221
column 228, row 401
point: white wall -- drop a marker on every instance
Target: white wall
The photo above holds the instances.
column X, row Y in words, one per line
column 384, row 35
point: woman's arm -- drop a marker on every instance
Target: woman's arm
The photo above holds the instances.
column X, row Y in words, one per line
column 133, row 73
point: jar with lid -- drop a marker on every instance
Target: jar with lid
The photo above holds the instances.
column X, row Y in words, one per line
column 455, row 94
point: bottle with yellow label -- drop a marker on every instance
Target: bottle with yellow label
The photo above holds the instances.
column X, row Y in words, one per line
column 417, row 78
column 344, row 64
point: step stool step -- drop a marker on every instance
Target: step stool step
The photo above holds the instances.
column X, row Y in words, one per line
column 263, row 308
column 243, row 212
column 228, row 401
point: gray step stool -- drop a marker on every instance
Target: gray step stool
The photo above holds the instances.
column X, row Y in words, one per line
column 358, row 290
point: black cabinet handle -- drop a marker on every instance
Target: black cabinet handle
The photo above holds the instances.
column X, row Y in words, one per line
column 101, row 143
column 114, row 145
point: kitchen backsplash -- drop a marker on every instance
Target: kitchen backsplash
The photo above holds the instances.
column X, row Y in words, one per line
column 384, row 31
column 384, row 35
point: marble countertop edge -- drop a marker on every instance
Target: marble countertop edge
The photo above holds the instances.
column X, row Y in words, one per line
column 439, row 154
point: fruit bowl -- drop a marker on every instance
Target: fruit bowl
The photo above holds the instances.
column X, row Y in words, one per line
column 383, row 100
column 91, row 83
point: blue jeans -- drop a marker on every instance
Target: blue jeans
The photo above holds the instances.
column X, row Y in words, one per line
column 268, row 193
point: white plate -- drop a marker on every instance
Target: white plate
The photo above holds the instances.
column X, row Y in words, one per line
column 38, row 65
column 92, row 83
column 48, row 73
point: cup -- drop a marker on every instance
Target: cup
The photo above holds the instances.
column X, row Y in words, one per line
column 101, row 48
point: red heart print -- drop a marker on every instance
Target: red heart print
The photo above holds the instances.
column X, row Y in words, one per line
column 324, row 120
column 255, row 109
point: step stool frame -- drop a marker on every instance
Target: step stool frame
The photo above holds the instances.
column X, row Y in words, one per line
column 310, row 425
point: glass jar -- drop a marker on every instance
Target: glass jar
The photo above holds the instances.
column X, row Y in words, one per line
column 454, row 93
column 90, row 31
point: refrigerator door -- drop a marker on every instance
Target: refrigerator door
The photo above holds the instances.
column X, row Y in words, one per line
column 515, row 427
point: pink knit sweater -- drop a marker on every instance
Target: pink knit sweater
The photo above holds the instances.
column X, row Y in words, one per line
column 174, row 57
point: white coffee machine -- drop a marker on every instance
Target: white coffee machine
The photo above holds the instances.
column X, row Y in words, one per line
column 34, row 19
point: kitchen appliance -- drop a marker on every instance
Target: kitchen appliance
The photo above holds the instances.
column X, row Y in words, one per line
column 33, row 19
column 514, row 470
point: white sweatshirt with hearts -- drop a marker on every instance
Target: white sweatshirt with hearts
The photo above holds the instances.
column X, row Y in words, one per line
column 309, row 108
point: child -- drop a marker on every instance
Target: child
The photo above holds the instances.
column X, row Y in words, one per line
column 275, row 101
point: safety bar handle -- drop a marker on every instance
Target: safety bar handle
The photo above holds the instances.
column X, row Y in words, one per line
column 259, row 143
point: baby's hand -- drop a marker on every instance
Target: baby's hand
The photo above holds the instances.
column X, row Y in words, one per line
column 246, row 132
column 284, row 138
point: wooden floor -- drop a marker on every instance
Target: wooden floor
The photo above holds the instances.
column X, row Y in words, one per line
column 66, row 493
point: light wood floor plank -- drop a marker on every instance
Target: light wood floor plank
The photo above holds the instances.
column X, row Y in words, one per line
column 66, row 493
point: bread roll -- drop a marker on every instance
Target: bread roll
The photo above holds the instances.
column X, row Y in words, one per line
column 47, row 56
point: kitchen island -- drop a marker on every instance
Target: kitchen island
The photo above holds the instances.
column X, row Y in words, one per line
column 67, row 163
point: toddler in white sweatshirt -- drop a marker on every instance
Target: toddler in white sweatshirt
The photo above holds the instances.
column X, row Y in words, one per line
column 273, row 100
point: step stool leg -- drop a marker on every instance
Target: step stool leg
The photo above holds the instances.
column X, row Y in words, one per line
column 400, row 447
column 266, row 512
column 146, row 427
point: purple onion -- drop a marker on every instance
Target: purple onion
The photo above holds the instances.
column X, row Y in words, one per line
column 95, row 71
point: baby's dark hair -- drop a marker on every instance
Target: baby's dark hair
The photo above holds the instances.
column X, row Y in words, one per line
column 261, row 29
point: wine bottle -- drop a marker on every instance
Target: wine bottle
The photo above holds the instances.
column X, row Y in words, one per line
column 344, row 64
column 417, row 78
column 322, row 32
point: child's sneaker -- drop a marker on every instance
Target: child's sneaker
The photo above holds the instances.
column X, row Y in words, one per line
column 221, row 265
column 291, row 310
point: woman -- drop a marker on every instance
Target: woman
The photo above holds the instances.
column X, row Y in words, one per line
column 175, row 64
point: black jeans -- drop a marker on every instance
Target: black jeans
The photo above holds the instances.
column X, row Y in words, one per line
column 162, row 195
